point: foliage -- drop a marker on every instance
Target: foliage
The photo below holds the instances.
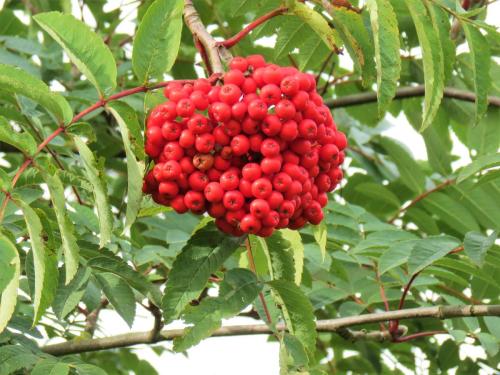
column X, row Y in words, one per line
column 77, row 236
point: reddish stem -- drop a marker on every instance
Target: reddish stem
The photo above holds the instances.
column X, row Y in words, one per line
column 203, row 52
column 228, row 43
column 420, row 197
column 417, row 335
column 79, row 116
column 394, row 324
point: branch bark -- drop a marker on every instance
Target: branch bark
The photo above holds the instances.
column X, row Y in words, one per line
column 330, row 325
column 215, row 52
column 407, row 92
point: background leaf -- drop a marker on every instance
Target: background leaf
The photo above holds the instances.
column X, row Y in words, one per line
column 96, row 63
column 157, row 41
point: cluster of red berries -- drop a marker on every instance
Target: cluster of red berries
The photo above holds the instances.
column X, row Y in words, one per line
column 257, row 153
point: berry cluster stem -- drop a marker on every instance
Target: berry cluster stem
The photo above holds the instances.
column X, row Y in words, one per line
column 228, row 43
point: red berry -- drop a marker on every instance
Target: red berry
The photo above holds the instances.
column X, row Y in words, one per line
column 270, row 148
column 262, row 188
column 194, row 200
column 290, row 85
column 239, row 63
column 240, row 145
column 270, row 94
column 205, row 143
column 233, row 200
column 256, row 61
column 173, row 151
column 171, row 130
column 177, row 203
column 271, row 219
column 260, row 208
column 282, row 181
column 185, row 107
column 229, row 180
column 229, row 93
column 154, row 135
column 285, row 109
column 198, row 124
column 251, row 171
column 202, row 85
column 250, row 224
column 257, row 109
column 235, row 77
column 213, row 192
column 308, row 129
column 169, row 189
column 186, row 138
column 289, row 131
column 199, row 99
column 270, row 165
column 271, row 125
column 221, row 111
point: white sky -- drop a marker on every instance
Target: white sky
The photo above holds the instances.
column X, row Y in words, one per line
column 245, row 355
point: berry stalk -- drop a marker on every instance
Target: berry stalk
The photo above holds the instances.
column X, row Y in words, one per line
column 228, row 43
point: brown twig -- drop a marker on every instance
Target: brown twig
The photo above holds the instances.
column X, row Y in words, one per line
column 419, row 197
column 216, row 52
column 407, row 92
column 330, row 325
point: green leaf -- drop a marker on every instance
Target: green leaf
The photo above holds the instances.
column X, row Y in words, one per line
column 50, row 366
column 238, row 290
column 86, row 369
column 428, row 250
column 119, row 294
column 441, row 23
column 69, row 295
column 204, row 253
column 97, row 178
column 482, row 162
column 352, row 30
column 69, row 245
column 14, row 358
column 158, row 38
column 476, row 245
column 126, row 118
column 484, row 138
column 7, row 262
column 448, row 355
column 85, row 48
column 489, row 343
column 17, row 81
column 116, row 265
column 8, row 299
column 320, row 235
column 297, row 247
column 450, row 211
column 297, row 311
column 432, row 56
column 45, row 264
column 395, row 255
column 292, row 31
column 480, row 56
column 279, row 252
column 411, row 173
column 22, row 141
column 493, row 325
column 319, row 24
column 386, row 43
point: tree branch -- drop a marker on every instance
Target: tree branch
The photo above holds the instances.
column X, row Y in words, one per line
column 213, row 49
column 407, row 92
column 330, row 325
